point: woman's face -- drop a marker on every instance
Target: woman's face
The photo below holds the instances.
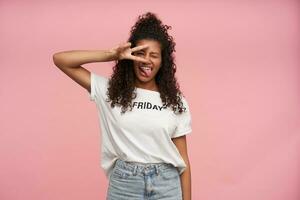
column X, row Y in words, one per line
column 146, row 72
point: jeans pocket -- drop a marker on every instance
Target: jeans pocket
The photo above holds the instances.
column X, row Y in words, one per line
column 170, row 174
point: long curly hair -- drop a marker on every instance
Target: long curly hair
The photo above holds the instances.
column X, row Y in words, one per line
column 121, row 85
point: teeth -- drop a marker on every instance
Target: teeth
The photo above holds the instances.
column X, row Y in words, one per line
column 148, row 68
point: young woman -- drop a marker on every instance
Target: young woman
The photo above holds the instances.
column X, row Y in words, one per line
column 143, row 114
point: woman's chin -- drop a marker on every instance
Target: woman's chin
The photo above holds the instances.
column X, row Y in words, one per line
column 143, row 78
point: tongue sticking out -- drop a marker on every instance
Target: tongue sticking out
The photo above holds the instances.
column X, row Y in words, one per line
column 145, row 72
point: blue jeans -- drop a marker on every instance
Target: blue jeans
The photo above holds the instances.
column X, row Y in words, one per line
column 141, row 181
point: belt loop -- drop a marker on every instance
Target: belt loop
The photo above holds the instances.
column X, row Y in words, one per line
column 134, row 170
column 156, row 169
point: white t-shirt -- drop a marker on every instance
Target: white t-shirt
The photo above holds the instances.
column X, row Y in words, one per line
column 141, row 135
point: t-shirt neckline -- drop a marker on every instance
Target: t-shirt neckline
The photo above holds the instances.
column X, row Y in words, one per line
column 146, row 90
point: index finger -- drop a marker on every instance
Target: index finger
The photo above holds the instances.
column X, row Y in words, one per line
column 137, row 48
column 139, row 59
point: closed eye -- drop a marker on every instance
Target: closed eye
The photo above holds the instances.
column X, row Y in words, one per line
column 139, row 53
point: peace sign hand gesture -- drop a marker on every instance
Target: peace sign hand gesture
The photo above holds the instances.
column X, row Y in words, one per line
column 123, row 51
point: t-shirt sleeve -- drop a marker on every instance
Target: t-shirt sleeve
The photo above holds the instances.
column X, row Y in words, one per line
column 184, row 121
column 98, row 86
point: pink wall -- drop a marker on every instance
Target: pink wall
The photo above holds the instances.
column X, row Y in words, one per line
column 238, row 65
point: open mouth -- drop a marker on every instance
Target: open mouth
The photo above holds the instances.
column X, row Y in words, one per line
column 145, row 70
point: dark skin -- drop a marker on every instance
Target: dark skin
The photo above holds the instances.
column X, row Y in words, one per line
column 123, row 51
column 152, row 54
column 185, row 177
column 146, row 53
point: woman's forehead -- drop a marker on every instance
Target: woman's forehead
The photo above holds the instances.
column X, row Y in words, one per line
column 153, row 44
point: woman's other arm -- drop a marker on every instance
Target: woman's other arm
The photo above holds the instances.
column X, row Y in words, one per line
column 185, row 177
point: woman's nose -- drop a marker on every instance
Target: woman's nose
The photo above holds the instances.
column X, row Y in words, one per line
column 147, row 57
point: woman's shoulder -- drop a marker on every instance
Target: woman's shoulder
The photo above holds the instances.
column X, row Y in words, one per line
column 183, row 99
column 99, row 78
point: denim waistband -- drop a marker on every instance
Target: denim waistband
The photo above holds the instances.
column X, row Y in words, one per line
column 138, row 166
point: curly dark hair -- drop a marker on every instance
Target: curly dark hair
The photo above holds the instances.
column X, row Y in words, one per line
column 121, row 84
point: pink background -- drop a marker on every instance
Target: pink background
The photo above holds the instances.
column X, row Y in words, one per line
column 238, row 65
